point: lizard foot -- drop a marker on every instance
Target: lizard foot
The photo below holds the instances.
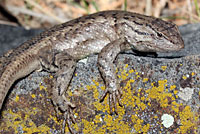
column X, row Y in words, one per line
column 114, row 96
column 68, row 115
column 66, row 107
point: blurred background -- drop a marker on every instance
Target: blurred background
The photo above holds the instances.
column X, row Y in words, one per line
column 46, row 13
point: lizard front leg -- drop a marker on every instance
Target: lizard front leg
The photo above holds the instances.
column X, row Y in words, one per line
column 62, row 78
column 47, row 60
column 63, row 66
column 106, row 67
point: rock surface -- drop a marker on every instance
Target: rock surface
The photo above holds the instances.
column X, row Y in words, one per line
column 160, row 95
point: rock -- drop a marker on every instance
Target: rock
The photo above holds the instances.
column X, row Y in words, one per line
column 160, row 95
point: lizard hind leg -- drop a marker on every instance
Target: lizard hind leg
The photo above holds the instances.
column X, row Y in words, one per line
column 62, row 80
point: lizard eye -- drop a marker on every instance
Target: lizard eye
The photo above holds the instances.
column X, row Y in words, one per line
column 159, row 34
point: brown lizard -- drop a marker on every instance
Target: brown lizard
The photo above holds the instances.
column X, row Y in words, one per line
column 104, row 33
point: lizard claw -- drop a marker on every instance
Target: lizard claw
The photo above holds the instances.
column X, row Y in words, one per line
column 67, row 117
column 66, row 108
column 114, row 96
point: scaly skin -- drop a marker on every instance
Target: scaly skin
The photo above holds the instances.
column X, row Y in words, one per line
column 104, row 33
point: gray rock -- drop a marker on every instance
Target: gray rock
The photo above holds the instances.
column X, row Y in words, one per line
column 12, row 36
column 160, row 95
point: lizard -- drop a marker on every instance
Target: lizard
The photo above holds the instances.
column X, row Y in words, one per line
column 106, row 33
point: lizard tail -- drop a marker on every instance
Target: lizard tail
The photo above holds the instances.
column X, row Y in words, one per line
column 13, row 68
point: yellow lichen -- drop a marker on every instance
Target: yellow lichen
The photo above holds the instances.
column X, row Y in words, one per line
column 40, row 95
column 145, row 80
column 175, row 91
column 172, row 87
column 17, row 98
column 184, row 77
column 159, row 93
column 90, row 127
column 134, row 98
column 145, row 128
column 124, row 75
column 188, row 120
column 16, row 120
column 96, row 83
column 42, row 87
column 131, row 71
column 138, row 126
column 70, row 93
column 33, row 95
column 163, row 68
column 193, row 73
column 51, row 76
column 126, row 66
column 130, row 99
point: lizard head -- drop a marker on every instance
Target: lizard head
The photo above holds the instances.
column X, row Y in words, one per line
column 151, row 34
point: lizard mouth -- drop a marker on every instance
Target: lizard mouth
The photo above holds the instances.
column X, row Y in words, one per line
column 158, row 46
column 169, row 47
